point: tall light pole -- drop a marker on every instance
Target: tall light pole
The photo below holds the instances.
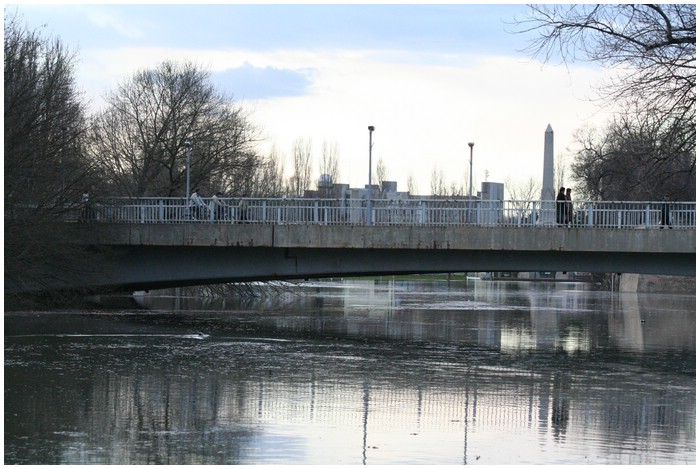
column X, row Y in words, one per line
column 471, row 154
column 188, row 145
column 369, row 186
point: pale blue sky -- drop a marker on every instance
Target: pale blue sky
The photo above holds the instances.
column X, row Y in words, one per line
column 437, row 28
column 430, row 78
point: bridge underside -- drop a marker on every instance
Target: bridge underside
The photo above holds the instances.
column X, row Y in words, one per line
column 153, row 267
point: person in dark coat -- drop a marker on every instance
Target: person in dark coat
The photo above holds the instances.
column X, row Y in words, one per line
column 569, row 208
column 666, row 213
column 561, row 206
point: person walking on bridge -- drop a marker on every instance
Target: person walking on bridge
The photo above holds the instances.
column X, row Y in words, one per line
column 243, row 210
column 217, row 207
column 197, row 206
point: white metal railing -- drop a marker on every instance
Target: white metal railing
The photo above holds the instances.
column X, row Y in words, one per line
column 385, row 212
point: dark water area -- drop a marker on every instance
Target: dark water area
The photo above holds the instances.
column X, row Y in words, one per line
column 358, row 372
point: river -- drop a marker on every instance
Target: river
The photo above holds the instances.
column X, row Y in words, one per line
column 358, row 372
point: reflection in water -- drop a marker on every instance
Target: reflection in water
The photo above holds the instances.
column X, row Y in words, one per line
column 359, row 373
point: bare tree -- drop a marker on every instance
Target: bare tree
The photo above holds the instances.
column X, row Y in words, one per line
column 524, row 196
column 301, row 170
column 438, row 187
column 45, row 174
column 526, row 190
column 651, row 45
column 410, row 184
column 650, row 148
column 269, row 177
column 456, row 189
column 43, row 121
column 138, row 141
column 329, row 160
column 380, row 172
column 637, row 157
column 560, row 170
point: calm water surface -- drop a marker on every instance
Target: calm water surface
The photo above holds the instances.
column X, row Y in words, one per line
column 358, row 372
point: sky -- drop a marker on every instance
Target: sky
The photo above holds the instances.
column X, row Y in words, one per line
column 429, row 78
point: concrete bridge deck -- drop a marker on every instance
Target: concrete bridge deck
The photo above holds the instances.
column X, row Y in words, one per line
column 163, row 255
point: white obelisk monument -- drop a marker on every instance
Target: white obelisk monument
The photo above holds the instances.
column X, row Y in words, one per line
column 547, row 212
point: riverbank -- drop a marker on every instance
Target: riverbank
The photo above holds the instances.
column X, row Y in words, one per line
column 659, row 283
column 628, row 283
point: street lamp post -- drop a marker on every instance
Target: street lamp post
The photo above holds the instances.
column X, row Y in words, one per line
column 188, row 145
column 471, row 154
column 369, row 186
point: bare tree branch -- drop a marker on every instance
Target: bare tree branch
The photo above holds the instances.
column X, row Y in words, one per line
column 139, row 139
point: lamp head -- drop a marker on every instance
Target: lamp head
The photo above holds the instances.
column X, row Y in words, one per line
column 371, row 128
column 471, row 144
column 188, row 143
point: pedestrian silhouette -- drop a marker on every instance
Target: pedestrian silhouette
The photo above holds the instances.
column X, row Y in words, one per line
column 561, row 206
column 197, row 206
column 666, row 212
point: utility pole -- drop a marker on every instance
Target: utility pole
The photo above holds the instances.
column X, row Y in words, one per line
column 369, row 183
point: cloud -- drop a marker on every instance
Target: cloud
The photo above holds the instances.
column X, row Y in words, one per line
column 425, row 114
column 250, row 82
column 426, row 107
column 106, row 19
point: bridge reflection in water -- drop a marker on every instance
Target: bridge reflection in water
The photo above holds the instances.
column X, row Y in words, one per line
column 366, row 372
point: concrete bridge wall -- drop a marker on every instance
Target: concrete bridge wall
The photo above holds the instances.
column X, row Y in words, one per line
column 398, row 237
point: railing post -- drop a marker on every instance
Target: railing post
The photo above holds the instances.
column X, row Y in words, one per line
column 647, row 216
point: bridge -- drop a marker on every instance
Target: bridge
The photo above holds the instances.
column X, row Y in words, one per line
column 164, row 242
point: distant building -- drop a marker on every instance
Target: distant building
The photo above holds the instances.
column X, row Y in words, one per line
column 327, row 189
column 387, row 190
column 491, row 203
column 491, row 191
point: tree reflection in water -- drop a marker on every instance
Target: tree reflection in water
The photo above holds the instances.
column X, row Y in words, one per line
column 359, row 372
